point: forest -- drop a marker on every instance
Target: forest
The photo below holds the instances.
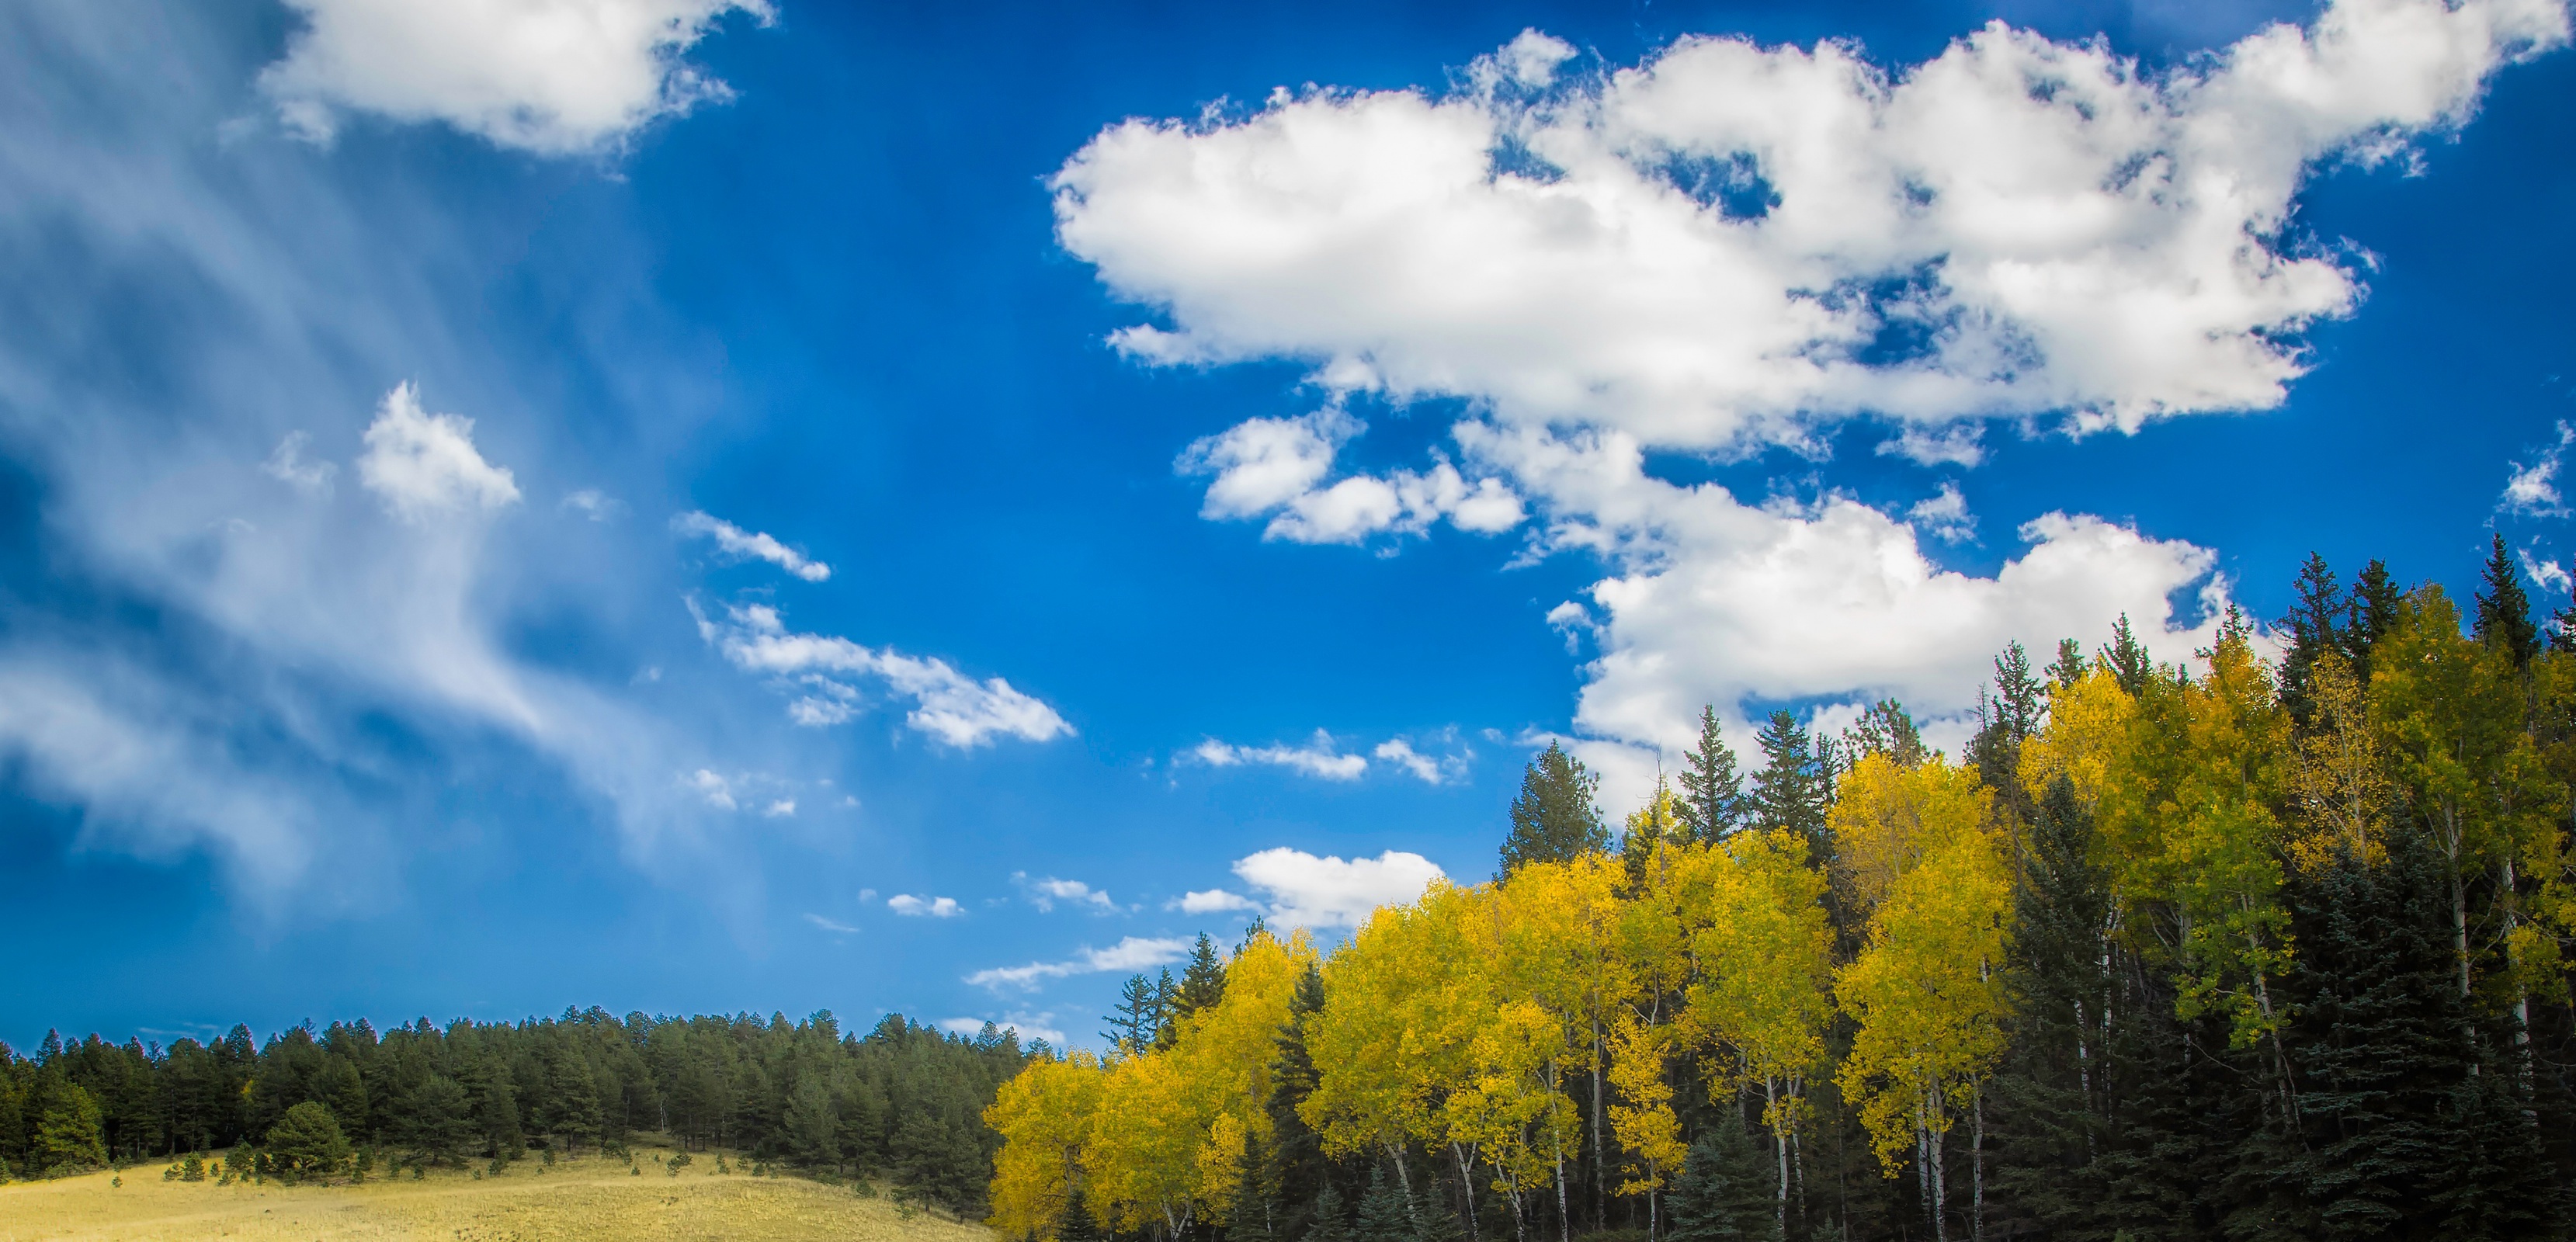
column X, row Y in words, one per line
column 2266, row 944
column 900, row 1104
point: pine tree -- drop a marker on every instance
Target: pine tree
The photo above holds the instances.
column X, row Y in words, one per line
column 1712, row 798
column 2375, row 598
column 1138, row 1016
column 2127, row 658
column 1724, row 1193
column 1886, row 728
column 2006, row 719
column 2045, row 1110
column 1554, row 819
column 1383, row 1215
column 1790, row 791
column 1202, row 981
column 2316, row 625
column 1330, row 1221
column 70, row 1131
column 1298, row 1171
column 307, row 1142
column 2504, row 609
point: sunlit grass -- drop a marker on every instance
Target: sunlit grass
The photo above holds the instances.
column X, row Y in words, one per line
column 575, row 1201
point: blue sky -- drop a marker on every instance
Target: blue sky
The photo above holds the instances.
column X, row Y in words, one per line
column 1522, row 371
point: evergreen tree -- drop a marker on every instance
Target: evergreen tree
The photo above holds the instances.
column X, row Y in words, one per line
column 1330, row 1221
column 1139, row 1015
column 1554, row 819
column 2047, row 1109
column 1790, row 791
column 2316, row 625
column 1298, row 1171
column 70, row 1133
column 2504, row 609
column 1383, row 1216
column 1886, row 728
column 811, row 1124
column 1712, row 797
column 1725, row 1193
column 440, row 1121
column 306, row 1143
column 2375, row 598
column 1202, row 981
column 2007, row 718
column 2127, row 658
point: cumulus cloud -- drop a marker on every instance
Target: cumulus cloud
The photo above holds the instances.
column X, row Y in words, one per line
column 1046, row 892
column 1420, row 766
column 740, row 544
column 949, row 706
column 2532, row 488
column 1273, row 467
column 1133, row 953
column 924, row 907
column 715, row 789
column 1307, row 891
column 1730, row 241
column 1729, row 246
column 1211, row 901
column 1944, row 515
column 423, row 465
column 554, row 77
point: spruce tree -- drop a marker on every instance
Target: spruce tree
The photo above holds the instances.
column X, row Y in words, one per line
column 1554, row 819
column 1790, row 791
column 2504, row 609
column 2127, row 658
column 1886, row 728
column 2045, row 1109
column 1137, row 1017
column 1725, row 1193
column 2316, row 626
column 1712, row 797
column 1298, row 1171
column 1202, row 981
column 1330, row 1221
column 2375, row 597
column 2007, row 717
column 1383, row 1215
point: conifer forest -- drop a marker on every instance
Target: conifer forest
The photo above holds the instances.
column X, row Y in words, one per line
column 2269, row 945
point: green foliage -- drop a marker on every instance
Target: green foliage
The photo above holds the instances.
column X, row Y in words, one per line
column 307, row 1143
column 69, row 1135
column 2504, row 608
column 1726, row 1191
column 1554, row 819
column 1712, row 802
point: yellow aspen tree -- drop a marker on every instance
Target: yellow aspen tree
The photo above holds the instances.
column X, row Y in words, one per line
column 1885, row 815
column 1765, row 991
column 2342, row 776
column 1642, row 1118
column 2087, row 732
column 1401, row 1005
column 1559, row 948
column 1140, row 1164
column 1926, row 996
column 1224, row 1054
column 1044, row 1115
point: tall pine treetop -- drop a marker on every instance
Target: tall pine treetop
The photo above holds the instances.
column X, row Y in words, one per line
column 2504, row 609
column 1553, row 819
column 1712, row 800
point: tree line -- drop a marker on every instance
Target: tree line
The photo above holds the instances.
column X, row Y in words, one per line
column 2267, row 944
column 902, row 1102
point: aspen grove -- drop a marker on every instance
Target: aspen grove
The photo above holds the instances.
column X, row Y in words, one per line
column 2264, row 944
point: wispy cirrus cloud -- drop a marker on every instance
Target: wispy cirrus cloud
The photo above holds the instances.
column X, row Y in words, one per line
column 947, row 705
column 741, row 544
column 1129, row 954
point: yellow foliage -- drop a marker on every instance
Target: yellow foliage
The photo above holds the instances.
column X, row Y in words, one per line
column 2088, row 730
column 1044, row 1115
column 1886, row 816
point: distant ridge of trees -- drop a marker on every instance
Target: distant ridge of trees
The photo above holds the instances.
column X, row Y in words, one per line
column 902, row 1102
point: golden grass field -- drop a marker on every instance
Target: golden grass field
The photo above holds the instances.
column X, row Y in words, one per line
column 576, row 1201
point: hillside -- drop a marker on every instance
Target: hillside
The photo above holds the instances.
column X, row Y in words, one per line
column 581, row 1199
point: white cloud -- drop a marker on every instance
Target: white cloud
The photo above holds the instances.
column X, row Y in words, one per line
column 1944, row 515
column 1133, row 953
column 1212, row 901
column 2532, row 488
column 1046, row 892
column 924, row 907
column 1272, row 467
column 554, row 77
column 948, row 705
column 750, row 545
column 1317, row 758
column 780, row 808
column 592, row 503
column 1401, row 753
column 1730, row 242
column 1030, row 1026
column 287, row 465
column 1307, row 891
column 2549, row 574
column 717, row 791
column 828, row 925
column 1729, row 246
column 425, row 464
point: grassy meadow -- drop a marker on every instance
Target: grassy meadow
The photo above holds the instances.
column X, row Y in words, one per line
column 574, row 1201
